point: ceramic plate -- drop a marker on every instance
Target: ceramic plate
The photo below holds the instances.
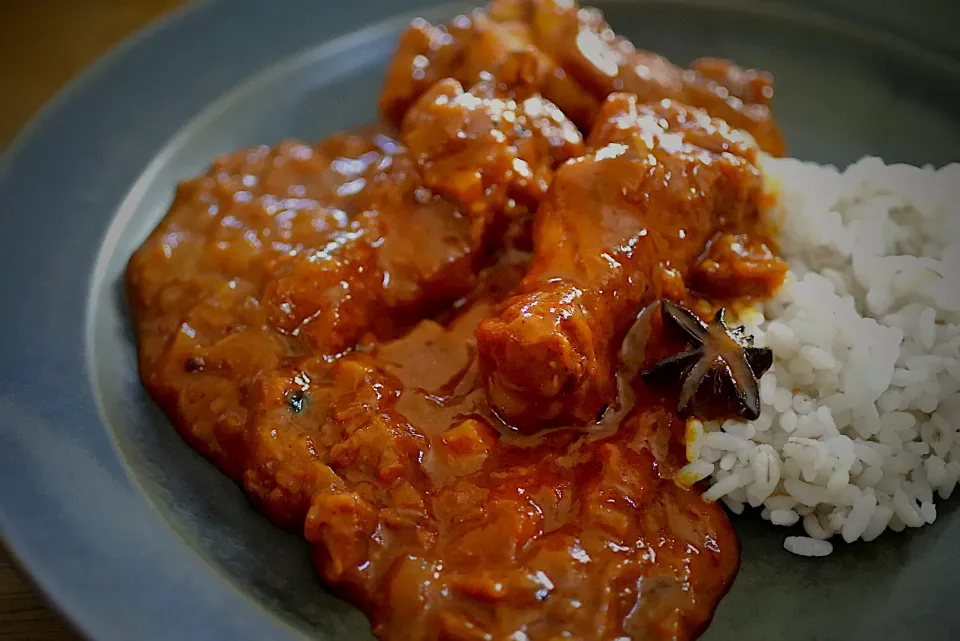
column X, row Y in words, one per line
column 132, row 534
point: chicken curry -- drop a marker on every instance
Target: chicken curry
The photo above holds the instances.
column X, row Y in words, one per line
column 421, row 344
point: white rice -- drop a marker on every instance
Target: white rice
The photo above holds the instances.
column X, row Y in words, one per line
column 860, row 412
column 805, row 546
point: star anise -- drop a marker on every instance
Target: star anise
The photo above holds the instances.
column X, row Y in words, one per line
column 718, row 361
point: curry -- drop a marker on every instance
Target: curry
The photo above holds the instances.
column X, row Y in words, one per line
column 421, row 344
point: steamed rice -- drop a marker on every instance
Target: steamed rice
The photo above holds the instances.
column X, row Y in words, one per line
column 858, row 430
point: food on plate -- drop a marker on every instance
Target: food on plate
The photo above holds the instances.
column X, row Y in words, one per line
column 469, row 353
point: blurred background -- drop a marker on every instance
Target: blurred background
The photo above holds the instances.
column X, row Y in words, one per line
column 43, row 44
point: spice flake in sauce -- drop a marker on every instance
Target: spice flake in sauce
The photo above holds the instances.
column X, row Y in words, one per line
column 420, row 349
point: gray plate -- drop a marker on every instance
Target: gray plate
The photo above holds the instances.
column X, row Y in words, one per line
column 133, row 535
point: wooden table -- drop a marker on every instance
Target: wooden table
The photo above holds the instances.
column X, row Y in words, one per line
column 43, row 43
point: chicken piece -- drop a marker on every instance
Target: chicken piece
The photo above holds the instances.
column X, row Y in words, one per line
column 425, row 250
column 614, row 227
column 389, row 250
column 465, row 49
column 327, row 297
column 384, row 249
column 490, row 150
column 427, row 54
column 581, row 61
column 736, row 265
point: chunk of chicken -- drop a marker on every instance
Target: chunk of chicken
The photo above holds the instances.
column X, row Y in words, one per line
column 616, row 229
column 465, row 49
column 581, row 62
column 328, row 297
column 425, row 250
column 491, row 151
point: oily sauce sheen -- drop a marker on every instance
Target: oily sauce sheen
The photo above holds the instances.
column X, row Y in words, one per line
column 417, row 344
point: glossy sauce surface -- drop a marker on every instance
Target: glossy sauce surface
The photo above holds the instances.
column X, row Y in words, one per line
column 322, row 321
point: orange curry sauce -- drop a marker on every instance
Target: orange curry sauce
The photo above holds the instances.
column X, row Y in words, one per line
column 417, row 344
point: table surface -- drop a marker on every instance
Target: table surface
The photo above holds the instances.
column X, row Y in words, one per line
column 44, row 43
